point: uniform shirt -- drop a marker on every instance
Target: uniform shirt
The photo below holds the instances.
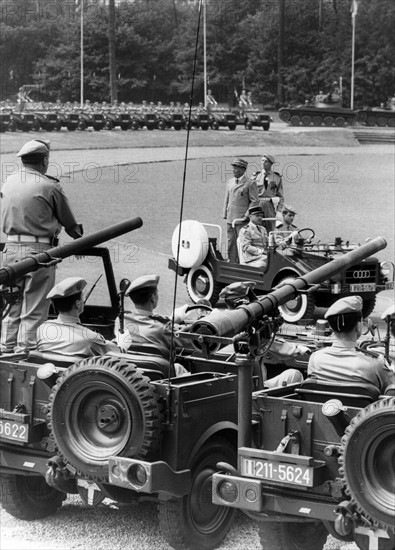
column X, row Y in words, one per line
column 283, row 232
column 253, row 240
column 67, row 336
column 342, row 362
column 34, row 204
column 240, row 194
column 146, row 327
column 269, row 185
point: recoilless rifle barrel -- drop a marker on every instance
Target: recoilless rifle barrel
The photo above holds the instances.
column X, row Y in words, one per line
column 232, row 322
column 10, row 273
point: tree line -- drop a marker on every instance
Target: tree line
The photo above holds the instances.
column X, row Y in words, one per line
column 283, row 51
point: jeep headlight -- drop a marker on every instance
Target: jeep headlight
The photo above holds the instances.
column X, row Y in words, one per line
column 387, row 270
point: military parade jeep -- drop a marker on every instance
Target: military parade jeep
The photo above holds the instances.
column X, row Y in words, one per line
column 122, row 426
column 206, row 272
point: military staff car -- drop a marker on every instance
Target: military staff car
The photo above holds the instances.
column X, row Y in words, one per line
column 206, row 272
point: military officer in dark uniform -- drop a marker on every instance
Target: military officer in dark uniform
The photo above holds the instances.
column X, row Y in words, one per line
column 343, row 362
column 34, row 209
column 143, row 326
column 270, row 190
column 65, row 334
column 240, row 194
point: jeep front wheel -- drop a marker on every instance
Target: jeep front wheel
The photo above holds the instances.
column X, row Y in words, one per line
column 292, row 536
column 300, row 307
column 194, row 522
column 367, row 462
column 103, row 407
column 29, row 497
column 201, row 285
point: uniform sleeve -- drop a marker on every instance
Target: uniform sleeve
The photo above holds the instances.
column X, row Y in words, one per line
column 63, row 210
column 280, row 194
column 253, row 195
column 226, row 201
column 386, row 375
column 100, row 345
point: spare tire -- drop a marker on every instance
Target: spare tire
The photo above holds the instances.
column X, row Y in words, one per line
column 367, row 462
column 194, row 243
column 103, row 407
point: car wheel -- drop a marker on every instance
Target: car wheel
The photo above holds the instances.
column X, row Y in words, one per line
column 367, row 462
column 29, row 497
column 193, row 522
column 103, row 407
column 201, row 285
column 300, row 307
column 292, row 536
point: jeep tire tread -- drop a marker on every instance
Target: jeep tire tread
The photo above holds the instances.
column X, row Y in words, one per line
column 103, row 407
column 193, row 522
column 29, row 497
column 367, row 453
column 292, row 536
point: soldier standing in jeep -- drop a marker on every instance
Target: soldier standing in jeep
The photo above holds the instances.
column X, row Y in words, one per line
column 270, row 186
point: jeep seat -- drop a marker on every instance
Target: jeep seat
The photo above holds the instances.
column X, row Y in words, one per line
column 350, row 394
column 59, row 360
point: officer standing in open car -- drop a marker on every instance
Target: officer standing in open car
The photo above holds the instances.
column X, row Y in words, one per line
column 270, row 190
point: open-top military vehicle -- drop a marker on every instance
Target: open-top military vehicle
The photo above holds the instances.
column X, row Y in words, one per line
column 221, row 116
column 313, row 458
column 120, row 426
column 250, row 117
column 206, row 272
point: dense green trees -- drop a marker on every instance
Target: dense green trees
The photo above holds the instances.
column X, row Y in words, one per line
column 155, row 48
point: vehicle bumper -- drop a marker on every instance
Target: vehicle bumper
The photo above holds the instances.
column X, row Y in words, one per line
column 15, row 462
column 149, row 477
column 253, row 495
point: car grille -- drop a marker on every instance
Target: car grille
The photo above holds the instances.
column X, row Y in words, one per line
column 231, row 118
column 362, row 273
column 177, row 118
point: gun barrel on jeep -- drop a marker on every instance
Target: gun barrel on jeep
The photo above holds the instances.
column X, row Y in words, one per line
column 232, row 322
column 10, row 273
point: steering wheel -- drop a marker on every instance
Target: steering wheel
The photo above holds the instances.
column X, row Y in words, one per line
column 196, row 312
column 310, row 233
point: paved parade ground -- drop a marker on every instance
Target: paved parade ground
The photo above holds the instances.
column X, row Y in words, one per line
column 337, row 186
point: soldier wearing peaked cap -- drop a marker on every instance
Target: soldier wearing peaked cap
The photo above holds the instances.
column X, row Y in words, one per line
column 343, row 361
column 143, row 326
column 240, row 194
column 34, row 208
column 65, row 334
column 253, row 239
column 270, row 190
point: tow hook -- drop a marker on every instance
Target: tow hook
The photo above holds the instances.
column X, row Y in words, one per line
column 345, row 518
column 58, row 477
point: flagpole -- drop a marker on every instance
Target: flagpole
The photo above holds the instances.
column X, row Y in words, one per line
column 82, row 56
column 204, row 53
column 353, row 16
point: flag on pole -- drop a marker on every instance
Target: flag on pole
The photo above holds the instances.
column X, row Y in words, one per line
column 354, row 8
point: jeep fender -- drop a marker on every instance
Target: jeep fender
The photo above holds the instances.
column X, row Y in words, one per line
column 225, row 429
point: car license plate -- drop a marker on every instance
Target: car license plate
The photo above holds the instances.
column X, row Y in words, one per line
column 276, row 471
column 363, row 287
column 15, row 431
